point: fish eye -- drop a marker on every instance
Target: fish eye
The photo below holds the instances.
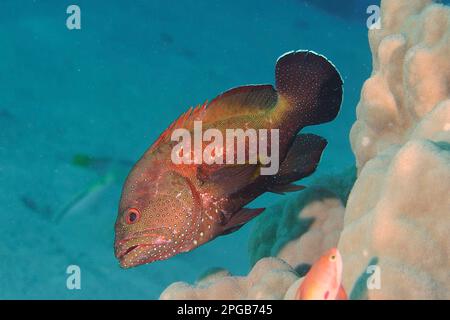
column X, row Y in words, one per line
column 332, row 257
column 132, row 216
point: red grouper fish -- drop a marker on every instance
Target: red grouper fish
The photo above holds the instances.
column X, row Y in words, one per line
column 167, row 207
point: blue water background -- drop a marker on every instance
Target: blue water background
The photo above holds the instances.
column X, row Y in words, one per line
column 107, row 91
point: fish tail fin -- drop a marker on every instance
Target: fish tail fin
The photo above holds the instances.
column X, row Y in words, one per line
column 312, row 87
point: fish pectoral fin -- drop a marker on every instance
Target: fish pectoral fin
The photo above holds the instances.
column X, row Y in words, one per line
column 231, row 177
column 240, row 218
column 301, row 161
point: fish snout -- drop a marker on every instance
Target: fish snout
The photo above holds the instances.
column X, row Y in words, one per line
column 143, row 247
column 334, row 255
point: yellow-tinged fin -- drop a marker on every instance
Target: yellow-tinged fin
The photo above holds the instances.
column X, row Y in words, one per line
column 243, row 100
column 308, row 87
column 186, row 120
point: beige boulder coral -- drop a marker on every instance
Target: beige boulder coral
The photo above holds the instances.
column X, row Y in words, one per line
column 292, row 290
column 410, row 78
column 398, row 213
column 270, row 278
column 323, row 234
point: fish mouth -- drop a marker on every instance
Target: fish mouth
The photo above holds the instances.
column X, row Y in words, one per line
column 137, row 250
column 127, row 251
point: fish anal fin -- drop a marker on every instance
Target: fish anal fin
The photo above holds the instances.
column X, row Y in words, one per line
column 301, row 160
column 282, row 189
column 240, row 218
column 231, row 230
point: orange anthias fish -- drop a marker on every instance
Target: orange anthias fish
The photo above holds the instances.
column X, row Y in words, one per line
column 168, row 208
column 323, row 281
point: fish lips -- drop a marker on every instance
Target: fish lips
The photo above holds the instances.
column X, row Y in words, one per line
column 134, row 251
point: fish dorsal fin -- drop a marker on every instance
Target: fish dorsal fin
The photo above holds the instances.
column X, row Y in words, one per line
column 249, row 99
column 186, row 121
column 234, row 102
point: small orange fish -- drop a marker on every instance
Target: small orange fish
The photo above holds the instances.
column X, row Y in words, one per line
column 323, row 281
column 167, row 207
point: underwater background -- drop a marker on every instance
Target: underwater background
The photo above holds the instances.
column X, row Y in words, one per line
column 79, row 107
